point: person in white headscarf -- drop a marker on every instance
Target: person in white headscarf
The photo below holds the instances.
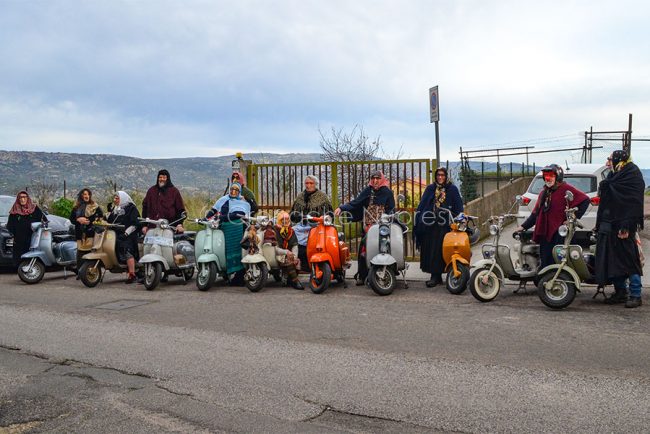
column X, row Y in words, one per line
column 125, row 213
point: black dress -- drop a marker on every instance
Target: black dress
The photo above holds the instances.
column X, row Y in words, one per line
column 127, row 244
column 431, row 228
column 20, row 227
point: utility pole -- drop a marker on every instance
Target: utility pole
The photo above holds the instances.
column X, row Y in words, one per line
column 627, row 145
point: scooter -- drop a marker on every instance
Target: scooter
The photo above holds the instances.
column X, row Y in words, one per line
column 385, row 254
column 457, row 252
column 210, row 253
column 102, row 256
column 559, row 282
column 47, row 250
column 259, row 258
column 166, row 252
column 490, row 273
column 328, row 254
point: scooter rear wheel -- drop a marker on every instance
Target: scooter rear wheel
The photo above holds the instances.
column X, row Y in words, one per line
column 31, row 275
column 152, row 275
column 89, row 274
column 484, row 292
column 318, row 286
column 562, row 293
column 258, row 281
column 457, row 285
column 384, row 284
column 206, row 276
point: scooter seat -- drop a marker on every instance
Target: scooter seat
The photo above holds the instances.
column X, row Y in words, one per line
column 185, row 236
column 524, row 236
column 63, row 237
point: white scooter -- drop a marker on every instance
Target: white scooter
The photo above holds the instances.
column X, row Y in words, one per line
column 259, row 258
column 385, row 254
column 166, row 252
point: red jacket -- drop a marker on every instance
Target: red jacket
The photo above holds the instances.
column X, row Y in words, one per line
column 165, row 203
column 548, row 222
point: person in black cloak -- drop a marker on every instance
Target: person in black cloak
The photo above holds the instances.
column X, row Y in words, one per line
column 619, row 218
column 374, row 200
column 432, row 223
column 23, row 213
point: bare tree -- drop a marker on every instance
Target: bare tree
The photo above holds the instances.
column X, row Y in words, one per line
column 343, row 146
column 43, row 191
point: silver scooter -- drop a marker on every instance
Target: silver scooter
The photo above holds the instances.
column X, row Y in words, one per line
column 385, row 254
column 47, row 250
column 490, row 273
column 166, row 253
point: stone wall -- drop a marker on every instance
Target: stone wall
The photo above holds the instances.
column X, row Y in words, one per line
column 496, row 202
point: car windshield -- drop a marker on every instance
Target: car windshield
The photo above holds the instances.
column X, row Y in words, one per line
column 5, row 205
column 584, row 183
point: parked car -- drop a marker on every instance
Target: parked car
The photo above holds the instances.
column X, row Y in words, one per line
column 584, row 177
column 59, row 225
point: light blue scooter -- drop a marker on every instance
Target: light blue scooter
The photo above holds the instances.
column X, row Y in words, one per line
column 47, row 250
column 210, row 252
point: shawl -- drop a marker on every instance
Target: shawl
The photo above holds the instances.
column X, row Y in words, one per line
column 19, row 209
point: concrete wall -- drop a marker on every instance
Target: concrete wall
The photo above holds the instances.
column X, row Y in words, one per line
column 496, row 202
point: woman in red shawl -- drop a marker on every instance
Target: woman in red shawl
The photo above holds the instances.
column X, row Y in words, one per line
column 23, row 213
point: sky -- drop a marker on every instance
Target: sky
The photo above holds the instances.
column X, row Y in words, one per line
column 171, row 79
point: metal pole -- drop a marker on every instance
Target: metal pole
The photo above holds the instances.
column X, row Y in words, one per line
column 628, row 145
column 437, row 144
column 482, row 178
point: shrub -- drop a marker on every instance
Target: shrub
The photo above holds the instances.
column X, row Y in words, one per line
column 62, row 207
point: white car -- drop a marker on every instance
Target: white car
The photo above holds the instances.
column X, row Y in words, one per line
column 584, row 177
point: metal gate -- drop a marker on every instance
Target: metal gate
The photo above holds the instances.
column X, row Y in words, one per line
column 277, row 185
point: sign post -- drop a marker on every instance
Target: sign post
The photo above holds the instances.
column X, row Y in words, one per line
column 434, row 110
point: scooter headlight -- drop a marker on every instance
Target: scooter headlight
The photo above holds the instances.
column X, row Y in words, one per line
column 494, row 229
column 384, row 231
column 563, row 230
column 327, row 220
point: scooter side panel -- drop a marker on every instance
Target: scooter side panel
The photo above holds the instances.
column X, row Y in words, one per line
column 67, row 251
column 505, row 260
column 152, row 258
column 397, row 245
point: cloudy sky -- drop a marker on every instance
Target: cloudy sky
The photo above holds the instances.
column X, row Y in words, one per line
column 191, row 78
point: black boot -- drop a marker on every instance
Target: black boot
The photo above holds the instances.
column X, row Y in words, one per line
column 633, row 302
column 295, row 284
column 619, row 296
column 436, row 279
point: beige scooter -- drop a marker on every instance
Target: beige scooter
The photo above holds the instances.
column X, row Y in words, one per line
column 102, row 256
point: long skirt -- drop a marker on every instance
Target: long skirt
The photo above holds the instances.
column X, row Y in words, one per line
column 431, row 249
column 233, row 233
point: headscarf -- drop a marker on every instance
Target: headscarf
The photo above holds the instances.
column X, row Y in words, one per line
column 619, row 159
column 238, row 185
column 26, row 209
column 85, row 209
column 285, row 227
column 168, row 184
column 441, row 189
column 242, row 180
column 125, row 199
column 383, row 180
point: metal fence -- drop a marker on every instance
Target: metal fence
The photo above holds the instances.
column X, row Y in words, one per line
column 277, row 185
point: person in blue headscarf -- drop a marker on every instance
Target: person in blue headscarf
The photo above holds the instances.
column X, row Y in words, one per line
column 229, row 209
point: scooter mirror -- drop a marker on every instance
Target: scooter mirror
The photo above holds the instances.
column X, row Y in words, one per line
column 401, row 198
column 519, row 199
column 568, row 196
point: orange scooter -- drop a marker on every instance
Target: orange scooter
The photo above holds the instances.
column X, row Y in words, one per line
column 327, row 253
column 457, row 252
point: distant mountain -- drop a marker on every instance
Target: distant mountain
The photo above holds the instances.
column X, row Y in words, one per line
column 19, row 169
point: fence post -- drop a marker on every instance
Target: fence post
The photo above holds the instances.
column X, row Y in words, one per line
column 251, row 178
column 429, row 164
column 335, row 185
column 482, row 178
column 511, row 171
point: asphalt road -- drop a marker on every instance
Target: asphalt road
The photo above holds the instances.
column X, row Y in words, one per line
column 420, row 360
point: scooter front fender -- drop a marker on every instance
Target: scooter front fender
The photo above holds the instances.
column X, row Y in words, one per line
column 383, row 259
column 322, row 257
column 152, row 258
column 39, row 254
column 207, row 258
column 257, row 258
column 487, row 263
column 96, row 256
column 553, row 269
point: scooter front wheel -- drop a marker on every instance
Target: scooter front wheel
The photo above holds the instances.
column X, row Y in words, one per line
column 31, row 273
column 318, row 285
column 152, row 275
column 457, row 285
column 90, row 274
column 561, row 294
column 484, row 285
column 382, row 280
column 255, row 276
column 206, row 276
